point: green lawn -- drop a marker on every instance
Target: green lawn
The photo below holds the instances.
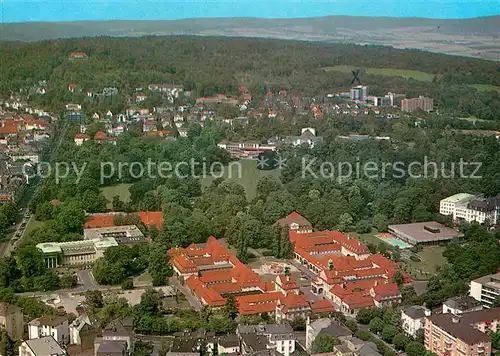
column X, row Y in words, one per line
column 388, row 72
column 368, row 238
column 486, row 87
column 432, row 257
column 248, row 178
column 120, row 189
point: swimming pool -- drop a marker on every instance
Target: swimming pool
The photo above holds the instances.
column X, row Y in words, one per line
column 396, row 242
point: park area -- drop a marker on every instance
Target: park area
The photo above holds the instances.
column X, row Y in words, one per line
column 121, row 190
column 248, row 177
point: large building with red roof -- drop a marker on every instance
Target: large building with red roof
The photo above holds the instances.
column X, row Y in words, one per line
column 346, row 272
column 212, row 274
column 99, row 220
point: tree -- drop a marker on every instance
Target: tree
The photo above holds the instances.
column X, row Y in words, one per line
column 323, row 343
column 231, row 308
column 118, row 204
column 298, row 324
column 159, row 269
column 380, row 222
column 415, row 349
column 69, row 281
column 44, row 211
column 127, row 284
column 345, row 222
column 388, row 332
column 364, row 316
column 150, row 303
column 363, row 335
column 419, row 336
column 363, row 227
column 31, row 262
column 400, row 341
column 376, row 325
column 70, row 217
column 94, row 300
column 398, row 278
column 352, row 325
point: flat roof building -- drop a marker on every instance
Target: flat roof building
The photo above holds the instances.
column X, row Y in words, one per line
column 427, row 232
column 486, row 289
column 124, row 235
column 469, row 208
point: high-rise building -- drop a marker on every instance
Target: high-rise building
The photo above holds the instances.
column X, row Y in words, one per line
column 413, row 104
column 359, row 92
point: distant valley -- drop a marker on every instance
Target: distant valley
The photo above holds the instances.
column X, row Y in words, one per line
column 477, row 37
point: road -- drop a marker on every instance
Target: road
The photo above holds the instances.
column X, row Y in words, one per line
column 303, row 269
column 195, row 303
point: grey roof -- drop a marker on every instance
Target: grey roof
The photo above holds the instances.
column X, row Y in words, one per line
column 368, row 349
column 170, row 353
column 254, row 342
column 268, row 329
column 415, row 311
column 335, row 329
column 462, row 303
column 45, row 346
column 52, row 321
column 230, row 340
column 110, row 347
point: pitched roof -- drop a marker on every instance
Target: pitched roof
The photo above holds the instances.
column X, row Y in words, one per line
column 287, row 282
column 294, row 217
column 149, row 218
column 461, row 326
column 322, row 306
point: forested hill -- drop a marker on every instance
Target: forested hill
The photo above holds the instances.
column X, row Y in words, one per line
column 476, row 37
column 212, row 65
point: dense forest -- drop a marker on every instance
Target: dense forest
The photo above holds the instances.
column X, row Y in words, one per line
column 212, row 65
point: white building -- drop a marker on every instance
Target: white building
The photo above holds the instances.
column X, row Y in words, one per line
column 327, row 326
column 413, row 319
column 55, row 326
column 279, row 337
column 461, row 304
column 228, row 344
column 45, row 346
column 486, row 289
column 469, row 208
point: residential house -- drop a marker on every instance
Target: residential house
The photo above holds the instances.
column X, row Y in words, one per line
column 324, row 326
column 228, row 344
column 119, row 331
column 307, row 136
column 255, row 338
column 295, row 221
column 463, row 334
column 110, row 347
column 11, row 320
column 44, row 346
column 83, row 331
column 461, row 304
column 55, row 326
column 353, row 346
column 413, row 318
column 80, row 138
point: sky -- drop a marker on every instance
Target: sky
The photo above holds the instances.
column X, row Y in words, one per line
column 75, row 10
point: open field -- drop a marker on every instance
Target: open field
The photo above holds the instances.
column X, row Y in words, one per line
column 473, row 119
column 486, row 87
column 388, row 72
column 32, row 225
column 248, row 178
column 432, row 257
column 120, row 189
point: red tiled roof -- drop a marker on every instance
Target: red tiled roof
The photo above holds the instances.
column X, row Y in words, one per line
column 82, row 136
column 100, row 136
column 258, row 303
column 292, row 301
column 149, row 218
column 322, row 306
column 8, row 130
column 55, row 202
column 287, row 282
column 98, row 221
column 183, row 264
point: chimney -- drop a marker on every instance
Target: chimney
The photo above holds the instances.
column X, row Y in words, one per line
column 376, row 283
column 330, row 264
column 427, row 312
